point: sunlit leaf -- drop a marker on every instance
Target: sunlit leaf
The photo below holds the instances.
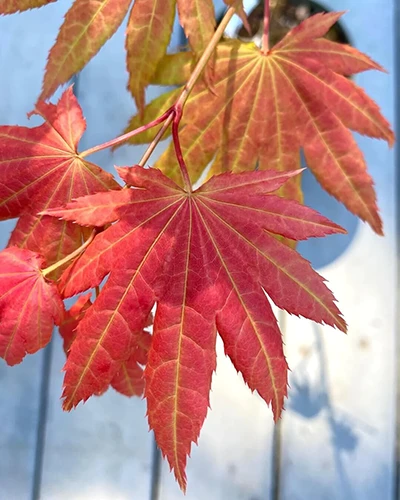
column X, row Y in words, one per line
column 87, row 26
column 265, row 108
column 205, row 258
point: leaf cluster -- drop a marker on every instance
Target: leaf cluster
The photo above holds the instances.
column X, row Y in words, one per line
column 167, row 267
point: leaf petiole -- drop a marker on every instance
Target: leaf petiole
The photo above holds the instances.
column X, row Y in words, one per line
column 152, row 146
column 265, row 39
column 175, row 113
column 178, row 151
column 205, row 57
column 71, row 256
column 123, row 138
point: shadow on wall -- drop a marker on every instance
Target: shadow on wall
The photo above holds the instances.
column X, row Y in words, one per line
column 308, row 398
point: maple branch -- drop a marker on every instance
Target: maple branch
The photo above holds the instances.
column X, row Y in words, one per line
column 174, row 114
column 71, row 256
column 128, row 135
column 205, row 57
column 265, row 38
column 152, row 146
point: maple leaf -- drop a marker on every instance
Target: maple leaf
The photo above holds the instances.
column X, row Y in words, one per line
column 149, row 27
column 240, row 12
column 195, row 14
column 206, row 258
column 41, row 168
column 71, row 320
column 12, row 6
column 129, row 379
column 29, row 305
column 266, row 107
column 87, row 26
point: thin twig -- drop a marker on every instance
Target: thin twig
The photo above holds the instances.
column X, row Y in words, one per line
column 177, row 109
column 152, row 146
column 205, row 57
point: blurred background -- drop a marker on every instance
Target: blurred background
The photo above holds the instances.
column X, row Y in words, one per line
column 338, row 436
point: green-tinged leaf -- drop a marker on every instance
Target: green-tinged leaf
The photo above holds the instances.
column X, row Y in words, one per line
column 174, row 69
column 148, row 34
column 87, row 26
column 197, row 18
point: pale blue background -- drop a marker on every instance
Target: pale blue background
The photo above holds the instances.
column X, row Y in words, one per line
column 103, row 451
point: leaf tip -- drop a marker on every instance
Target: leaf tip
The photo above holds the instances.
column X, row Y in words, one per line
column 376, row 223
column 66, row 408
column 337, row 229
column 391, row 138
column 342, row 325
column 66, row 402
column 277, row 414
column 181, row 480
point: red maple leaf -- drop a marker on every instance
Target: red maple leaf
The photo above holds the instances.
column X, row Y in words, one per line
column 29, row 305
column 40, row 168
column 71, row 320
column 129, row 379
column 206, row 258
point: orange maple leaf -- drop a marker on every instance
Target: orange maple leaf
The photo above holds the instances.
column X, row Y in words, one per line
column 12, row 6
column 265, row 108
